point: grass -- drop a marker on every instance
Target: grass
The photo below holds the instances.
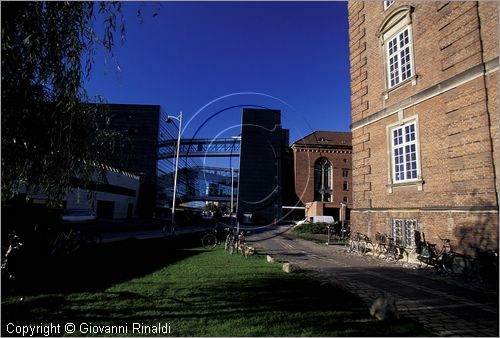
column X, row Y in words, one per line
column 206, row 293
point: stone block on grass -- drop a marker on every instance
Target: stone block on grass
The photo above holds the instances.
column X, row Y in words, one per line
column 289, row 267
column 384, row 308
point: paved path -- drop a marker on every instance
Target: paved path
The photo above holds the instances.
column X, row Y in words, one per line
column 444, row 306
column 159, row 232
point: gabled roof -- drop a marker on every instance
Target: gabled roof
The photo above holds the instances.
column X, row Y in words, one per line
column 325, row 139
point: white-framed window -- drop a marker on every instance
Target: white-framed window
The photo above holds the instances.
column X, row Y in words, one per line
column 395, row 35
column 388, row 4
column 399, row 58
column 403, row 232
column 405, row 159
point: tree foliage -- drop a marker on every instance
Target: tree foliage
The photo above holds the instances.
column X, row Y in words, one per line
column 49, row 135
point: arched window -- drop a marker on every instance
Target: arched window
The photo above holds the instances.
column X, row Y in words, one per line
column 395, row 34
column 322, row 180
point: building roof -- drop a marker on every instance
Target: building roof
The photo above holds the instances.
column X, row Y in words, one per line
column 325, row 139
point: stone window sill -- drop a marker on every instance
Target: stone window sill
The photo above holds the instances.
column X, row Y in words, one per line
column 416, row 183
column 412, row 79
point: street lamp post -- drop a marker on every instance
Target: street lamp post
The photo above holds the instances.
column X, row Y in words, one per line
column 169, row 120
column 232, row 197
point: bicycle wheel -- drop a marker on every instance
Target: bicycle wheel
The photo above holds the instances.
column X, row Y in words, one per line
column 352, row 245
column 399, row 253
column 362, row 247
column 55, row 246
column 458, row 265
column 209, row 241
column 232, row 247
column 389, row 254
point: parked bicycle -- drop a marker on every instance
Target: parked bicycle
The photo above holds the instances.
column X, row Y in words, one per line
column 445, row 258
column 359, row 243
column 395, row 252
column 213, row 237
column 381, row 243
column 70, row 240
column 387, row 247
column 10, row 257
column 232, row 240
column 345, row 232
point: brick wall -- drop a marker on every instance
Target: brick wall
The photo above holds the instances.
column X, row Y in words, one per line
column 304, row 160
column 456, row 108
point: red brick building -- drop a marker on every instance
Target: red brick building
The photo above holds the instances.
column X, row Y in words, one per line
column 322, row 172
column 424, row 84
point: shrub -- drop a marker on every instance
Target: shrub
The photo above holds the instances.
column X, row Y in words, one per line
column 311, row 228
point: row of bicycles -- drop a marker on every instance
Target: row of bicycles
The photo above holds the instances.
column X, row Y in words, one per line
column 234, row 241
column 384, row 246
column 441, row 257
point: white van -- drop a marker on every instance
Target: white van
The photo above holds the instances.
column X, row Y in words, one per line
column 316, row 219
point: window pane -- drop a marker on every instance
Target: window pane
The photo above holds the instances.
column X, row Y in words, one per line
column 399, row 65
column 397, row 231
column 328, row 175
column 405, row 63
column 403, row 231
column 405, row 153
column 387, row 4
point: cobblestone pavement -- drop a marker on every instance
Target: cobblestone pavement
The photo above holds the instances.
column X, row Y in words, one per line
column 445, row 306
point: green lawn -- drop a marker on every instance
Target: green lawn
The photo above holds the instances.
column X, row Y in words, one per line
column 209, row 293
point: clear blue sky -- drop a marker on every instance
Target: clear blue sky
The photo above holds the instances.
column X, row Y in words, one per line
column 192, row 53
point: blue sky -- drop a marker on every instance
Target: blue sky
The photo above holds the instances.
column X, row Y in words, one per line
column 294, row 54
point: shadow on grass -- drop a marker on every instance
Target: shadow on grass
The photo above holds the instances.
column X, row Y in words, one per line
column 215, row 294
column 296, row 306
column 97, row 267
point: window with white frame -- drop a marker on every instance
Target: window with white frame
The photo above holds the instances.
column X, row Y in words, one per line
column 403, row 232
column 388, row 4
column 405, row 166
column 399, row 58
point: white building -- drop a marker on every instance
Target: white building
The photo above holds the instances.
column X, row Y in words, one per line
column 116, row 198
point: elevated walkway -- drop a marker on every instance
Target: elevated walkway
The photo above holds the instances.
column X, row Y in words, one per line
column 216, row 147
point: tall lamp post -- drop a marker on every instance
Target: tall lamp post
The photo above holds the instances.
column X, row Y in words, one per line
column 232, row 197
column 169, row 120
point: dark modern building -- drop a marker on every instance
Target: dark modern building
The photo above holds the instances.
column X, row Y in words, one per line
column 264, row 145
column 139, row 124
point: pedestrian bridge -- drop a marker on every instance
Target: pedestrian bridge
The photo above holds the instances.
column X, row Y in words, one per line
column 216, row 147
